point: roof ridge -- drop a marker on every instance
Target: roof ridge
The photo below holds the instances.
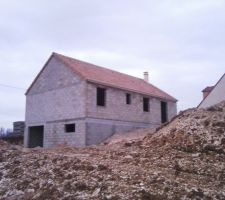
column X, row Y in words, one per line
column 75, row 59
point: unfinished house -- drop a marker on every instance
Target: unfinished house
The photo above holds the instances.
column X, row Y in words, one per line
column 213, row 94
column 78, row 103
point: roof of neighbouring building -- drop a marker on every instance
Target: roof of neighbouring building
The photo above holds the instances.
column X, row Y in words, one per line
column 104, row 76
column 208, row 89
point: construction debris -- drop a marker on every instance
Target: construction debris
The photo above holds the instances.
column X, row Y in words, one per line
column 184, row 159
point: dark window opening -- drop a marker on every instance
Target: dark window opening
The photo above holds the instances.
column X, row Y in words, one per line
column 128, row 98
column 146, row 104
column 69, row 128
column 101, row 96
column 164, row 117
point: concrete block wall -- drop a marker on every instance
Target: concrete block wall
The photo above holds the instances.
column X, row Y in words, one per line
column 57, row 94
column 55, row 75
column 117, row 109
column 171, row 109
column 98, row 130
column 54, row 133
column 60, row 104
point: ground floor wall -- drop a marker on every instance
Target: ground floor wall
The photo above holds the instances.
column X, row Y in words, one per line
column 87, row 131
column 55, row 133
column 98, row 130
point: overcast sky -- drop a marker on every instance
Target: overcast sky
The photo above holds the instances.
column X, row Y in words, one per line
column 181, row 43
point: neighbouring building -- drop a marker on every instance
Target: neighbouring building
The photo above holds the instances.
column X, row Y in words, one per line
column 213, row 94
column 18, row 128
column 78, row 103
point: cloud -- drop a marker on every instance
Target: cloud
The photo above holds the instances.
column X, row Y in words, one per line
column 180, row 43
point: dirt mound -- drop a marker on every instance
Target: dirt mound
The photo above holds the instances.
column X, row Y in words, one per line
column 195, row 130
column 184, row 159
column 118, row 140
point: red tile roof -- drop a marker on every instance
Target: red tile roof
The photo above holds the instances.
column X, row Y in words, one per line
column 108, row 77
column 96, row 74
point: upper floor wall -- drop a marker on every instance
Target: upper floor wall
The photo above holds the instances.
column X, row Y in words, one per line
column 54, row 75
column 57, row 94
column 116, row 107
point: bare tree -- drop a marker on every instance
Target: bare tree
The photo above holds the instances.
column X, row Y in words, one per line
column 8, row 131
column 2, row 131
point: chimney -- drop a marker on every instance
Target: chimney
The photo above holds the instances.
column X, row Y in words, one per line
column 205, row 94
column 206, row 91
column 146, row 76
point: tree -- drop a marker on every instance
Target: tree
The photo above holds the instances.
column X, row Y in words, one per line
column 8, row 131
column 2, row 131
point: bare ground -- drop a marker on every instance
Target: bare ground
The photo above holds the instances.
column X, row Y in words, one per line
column 184, row 159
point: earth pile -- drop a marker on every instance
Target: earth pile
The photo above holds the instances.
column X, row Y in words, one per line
column 184, row 159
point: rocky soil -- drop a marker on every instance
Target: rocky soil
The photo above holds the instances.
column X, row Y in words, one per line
column 184, row 159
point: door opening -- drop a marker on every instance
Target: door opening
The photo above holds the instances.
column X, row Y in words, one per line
column 164, row 114
column 35, row 136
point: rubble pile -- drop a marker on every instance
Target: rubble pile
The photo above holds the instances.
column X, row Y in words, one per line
column 184, row 159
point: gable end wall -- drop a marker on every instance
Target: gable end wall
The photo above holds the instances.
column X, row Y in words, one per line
column 216, row 95
column 57, row 97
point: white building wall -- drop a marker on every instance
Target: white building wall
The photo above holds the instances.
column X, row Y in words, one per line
column 216, row 95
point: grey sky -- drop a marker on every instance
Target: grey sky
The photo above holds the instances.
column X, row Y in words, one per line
column 181, row 43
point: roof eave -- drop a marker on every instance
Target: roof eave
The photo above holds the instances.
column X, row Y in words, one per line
column 127, row 89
